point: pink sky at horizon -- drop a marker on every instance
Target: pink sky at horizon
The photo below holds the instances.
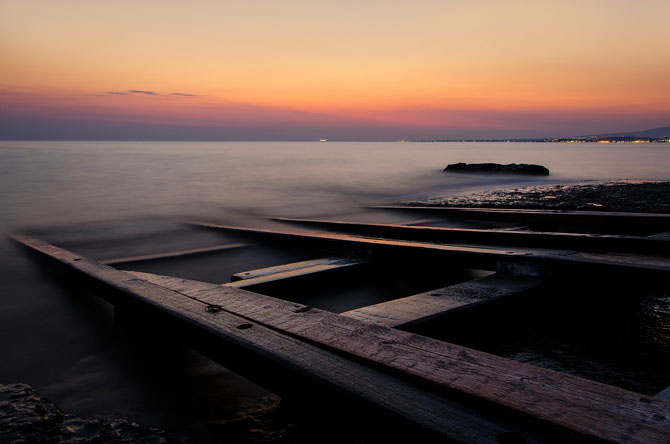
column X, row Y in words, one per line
column 374, row 70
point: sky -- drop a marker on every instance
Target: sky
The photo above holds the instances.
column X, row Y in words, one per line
column 342, row 70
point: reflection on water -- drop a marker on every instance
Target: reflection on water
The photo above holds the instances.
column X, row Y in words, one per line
column 111, row 199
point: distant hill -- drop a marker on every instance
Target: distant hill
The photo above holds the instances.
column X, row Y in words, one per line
column 653, row 132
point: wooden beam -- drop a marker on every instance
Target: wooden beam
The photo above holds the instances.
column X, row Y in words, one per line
column 628, row 222
column 590, row 409
column 264, row 277
column 414, row 310
column 580, row 408
column 388, row 404
column 573, row 241
column 171, row 254
column 511, row 260
column 328, row 263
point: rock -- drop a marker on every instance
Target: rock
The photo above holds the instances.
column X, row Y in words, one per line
column 26, row 417
column 631, row 197
column 511, row 168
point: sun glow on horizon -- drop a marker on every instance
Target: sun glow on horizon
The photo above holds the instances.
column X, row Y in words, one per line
column 426, row 64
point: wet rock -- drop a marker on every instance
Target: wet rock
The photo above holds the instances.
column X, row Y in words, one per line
column 511, row 168
column 26, row 417
column 643, row 197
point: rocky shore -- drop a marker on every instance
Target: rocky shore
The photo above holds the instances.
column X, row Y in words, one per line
column 26, row 417
column 643, row 197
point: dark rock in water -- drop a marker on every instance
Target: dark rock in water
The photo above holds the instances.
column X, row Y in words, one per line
column 26, row 417
column 511, row 168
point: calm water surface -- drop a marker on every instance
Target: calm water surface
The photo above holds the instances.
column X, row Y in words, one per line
column 62, row 182
column 83, row 195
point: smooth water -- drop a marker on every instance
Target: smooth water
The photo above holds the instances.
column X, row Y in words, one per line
column 44, row 183
column 65, row 347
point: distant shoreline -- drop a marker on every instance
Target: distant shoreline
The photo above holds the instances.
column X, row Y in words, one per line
column 557, row 140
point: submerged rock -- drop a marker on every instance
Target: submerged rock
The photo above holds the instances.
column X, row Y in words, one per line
column 510, row 168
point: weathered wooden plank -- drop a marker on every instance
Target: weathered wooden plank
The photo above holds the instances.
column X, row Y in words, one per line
column 323, row 271
column 601, row 215
column 624, row 221
column 428, row 306
column 171, row 254
column 584, row 409
column 573, row 241
column 295, row 269
column 293, row 367
column 512, row 260
column 589, row 409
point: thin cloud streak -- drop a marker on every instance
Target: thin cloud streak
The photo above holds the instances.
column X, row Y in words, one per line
column 139, row 91
column 148, row 93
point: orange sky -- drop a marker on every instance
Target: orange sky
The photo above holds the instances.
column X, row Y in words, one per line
column 452, row 65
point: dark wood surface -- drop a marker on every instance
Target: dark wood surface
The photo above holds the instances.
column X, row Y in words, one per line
column 572, row 407
column 574, row 241
column 610, row 221
column 511, row 260
column 587, row 408
column 428, row 306
column 388, row 404
column 295, row 270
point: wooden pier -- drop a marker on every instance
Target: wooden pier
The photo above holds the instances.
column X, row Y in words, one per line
column 617, row 222
column 364, row 366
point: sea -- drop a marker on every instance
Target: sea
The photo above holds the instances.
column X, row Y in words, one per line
column 116, row 199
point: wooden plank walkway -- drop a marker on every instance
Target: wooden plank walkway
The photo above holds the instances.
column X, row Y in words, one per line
column 576, row 241
column 295, row 270
column 574, row 409
column 292, row 367
column 171, row 254
column 413, row 310
column 512, row 260
column 621, row 220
